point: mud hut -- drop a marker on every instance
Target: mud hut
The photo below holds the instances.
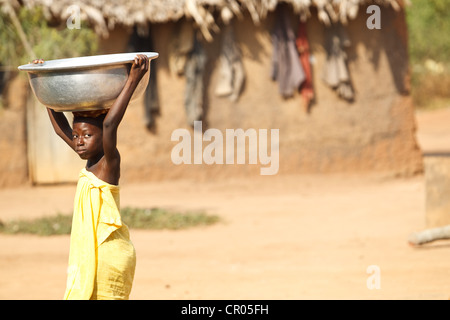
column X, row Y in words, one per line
column 331, row 78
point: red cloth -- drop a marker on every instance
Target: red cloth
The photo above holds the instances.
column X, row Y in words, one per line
column 306, row 88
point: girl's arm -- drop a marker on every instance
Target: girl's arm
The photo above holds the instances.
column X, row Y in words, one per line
column 61, row 126
column 59, row 120
column 117, row 110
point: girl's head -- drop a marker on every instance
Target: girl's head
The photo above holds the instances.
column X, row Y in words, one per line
column 87, row 135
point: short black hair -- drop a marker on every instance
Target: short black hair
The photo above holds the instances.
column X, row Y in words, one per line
column 96, row 121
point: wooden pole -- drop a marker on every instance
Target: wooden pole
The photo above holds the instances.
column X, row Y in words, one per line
column 18, row 26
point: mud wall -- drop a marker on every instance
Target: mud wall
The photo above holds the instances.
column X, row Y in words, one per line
column 374, row 133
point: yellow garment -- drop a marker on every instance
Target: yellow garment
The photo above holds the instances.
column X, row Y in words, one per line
column 102, row 258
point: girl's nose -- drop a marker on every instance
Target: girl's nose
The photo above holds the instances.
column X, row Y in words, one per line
column 80, row 141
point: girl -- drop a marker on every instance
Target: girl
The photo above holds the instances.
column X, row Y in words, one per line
column 102, row 258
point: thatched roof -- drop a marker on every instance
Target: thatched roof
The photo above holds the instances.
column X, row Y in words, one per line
column 103, row 15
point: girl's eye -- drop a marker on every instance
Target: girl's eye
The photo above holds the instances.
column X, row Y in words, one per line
column 87, row 135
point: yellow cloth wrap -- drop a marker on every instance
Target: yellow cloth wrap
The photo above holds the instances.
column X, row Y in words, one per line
column 102, row 258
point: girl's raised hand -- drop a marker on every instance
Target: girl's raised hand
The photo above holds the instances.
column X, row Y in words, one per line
column 37, row 61
column 139, row 67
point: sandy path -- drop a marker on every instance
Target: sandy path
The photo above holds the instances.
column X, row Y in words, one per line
column 284, row 237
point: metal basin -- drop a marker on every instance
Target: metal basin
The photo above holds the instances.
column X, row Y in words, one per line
column 84, row 83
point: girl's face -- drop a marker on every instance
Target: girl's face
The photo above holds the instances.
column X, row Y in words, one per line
column 87, row 140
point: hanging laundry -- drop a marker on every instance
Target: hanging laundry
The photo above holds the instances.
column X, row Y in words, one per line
column 194, row 72
column 181, row 44
column 144, row 43
column 232, row 74
column 302, row 43
column 335, row 72
column 286, row 66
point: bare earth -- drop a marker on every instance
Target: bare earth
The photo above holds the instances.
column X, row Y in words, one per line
column 283, row 237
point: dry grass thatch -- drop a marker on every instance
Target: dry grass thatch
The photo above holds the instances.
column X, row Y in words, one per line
column 104, row 15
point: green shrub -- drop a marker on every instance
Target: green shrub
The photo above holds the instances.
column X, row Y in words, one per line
column 429, row 45
column 47, row 41
column 429, row 30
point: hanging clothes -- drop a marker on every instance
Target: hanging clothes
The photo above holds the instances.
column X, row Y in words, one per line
column 232, row 74
column 144, row 43
column 335, row 72
column 181, row 44
column 286, row 66
column 302, row 43
column 194, row 72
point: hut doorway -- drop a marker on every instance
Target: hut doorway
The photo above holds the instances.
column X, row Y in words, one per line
column 50, row 160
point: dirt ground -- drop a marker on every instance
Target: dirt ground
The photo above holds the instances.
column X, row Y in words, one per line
column 283, row 237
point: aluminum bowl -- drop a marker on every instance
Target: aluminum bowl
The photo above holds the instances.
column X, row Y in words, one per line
column 84, row 83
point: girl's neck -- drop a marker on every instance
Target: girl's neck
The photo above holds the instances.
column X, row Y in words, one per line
column 93, row 161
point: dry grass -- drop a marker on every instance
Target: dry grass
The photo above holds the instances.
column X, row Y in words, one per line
column 139, row 218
